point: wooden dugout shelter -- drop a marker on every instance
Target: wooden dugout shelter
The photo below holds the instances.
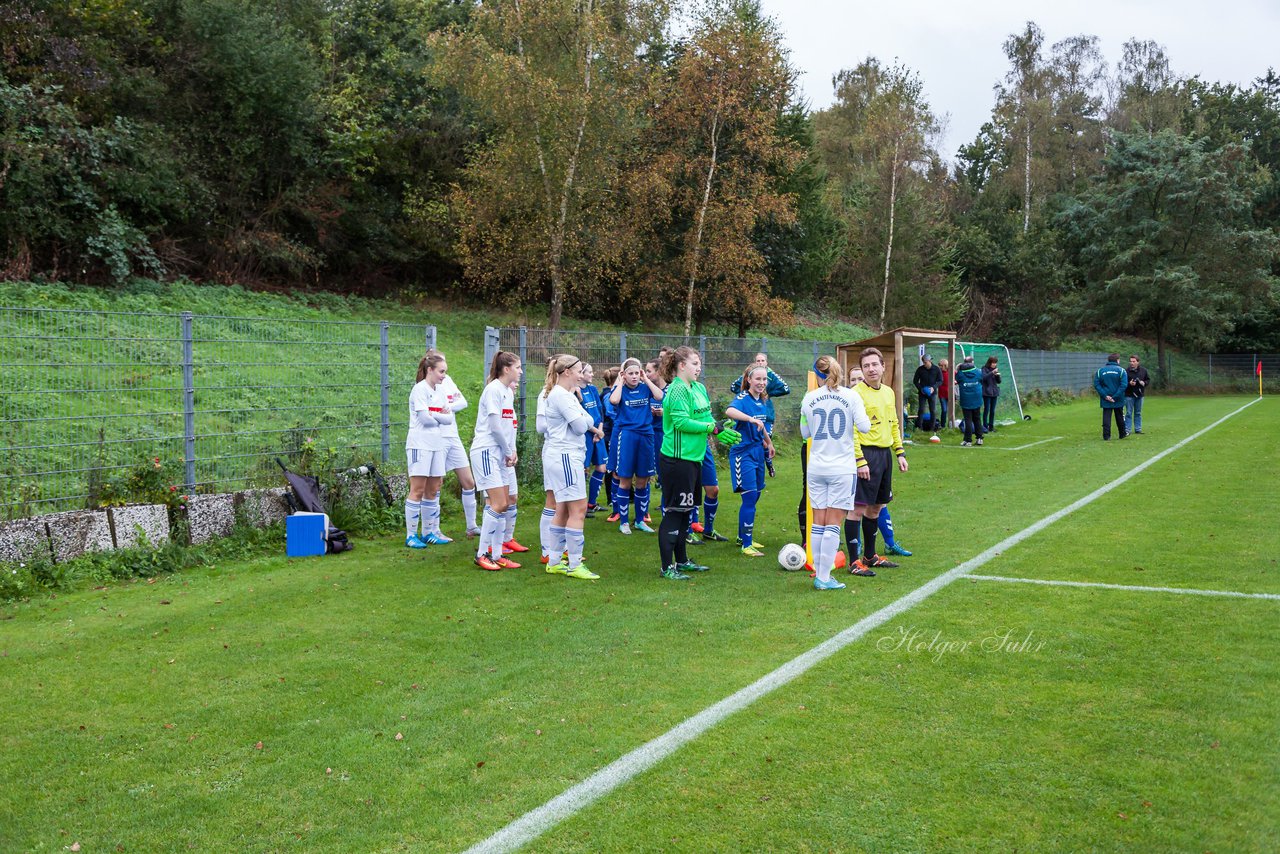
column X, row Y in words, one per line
column 898, row 346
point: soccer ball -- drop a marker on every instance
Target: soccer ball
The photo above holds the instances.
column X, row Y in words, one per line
column 791, row 557
column 934, row 438
column 928, row 391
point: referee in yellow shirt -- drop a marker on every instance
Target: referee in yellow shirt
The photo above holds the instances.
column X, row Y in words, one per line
column 873, row 488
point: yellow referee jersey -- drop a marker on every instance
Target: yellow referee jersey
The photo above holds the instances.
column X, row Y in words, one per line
column 882, row 409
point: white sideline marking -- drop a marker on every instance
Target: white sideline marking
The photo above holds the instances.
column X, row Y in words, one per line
column 1000, row 448
column 581, row 795
column 1186, row 591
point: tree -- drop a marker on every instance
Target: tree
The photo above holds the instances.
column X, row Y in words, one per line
column 560, row 84
column 878, row 142
column 1077, row 74
column 715, row 165
column 1166, row 239
column 1024, row 105
column 1147, row 94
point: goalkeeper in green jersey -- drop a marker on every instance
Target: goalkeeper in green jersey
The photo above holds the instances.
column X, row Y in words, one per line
column 686, row 423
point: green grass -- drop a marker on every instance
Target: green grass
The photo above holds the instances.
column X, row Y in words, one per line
column 140, row 706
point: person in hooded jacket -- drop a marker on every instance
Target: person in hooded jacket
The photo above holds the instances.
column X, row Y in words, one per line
column 969, row 396
column 1110, row 382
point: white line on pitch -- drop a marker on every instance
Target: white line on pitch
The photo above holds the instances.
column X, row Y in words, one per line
column 537, row 821
column 1001, row 448
column 1187, row 591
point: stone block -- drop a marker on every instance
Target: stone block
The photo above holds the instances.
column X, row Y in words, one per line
column 399, row 485
column 152, row 520
column 23, row 539
column 263, row 507
column 210, row 516
column 78, row 531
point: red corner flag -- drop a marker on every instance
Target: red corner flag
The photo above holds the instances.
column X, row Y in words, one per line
column 1259, row 367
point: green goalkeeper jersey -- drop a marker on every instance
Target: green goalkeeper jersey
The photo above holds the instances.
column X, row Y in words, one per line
column 686, row 421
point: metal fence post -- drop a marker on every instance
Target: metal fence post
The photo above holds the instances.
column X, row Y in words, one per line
column 524, row 353
column 764, row 345
column 431, row 337
column 490, row 350
column 385, row 376
column 622, row 347
column 1210, row 370
column 702, row 346
column 188, row 404
column 815, row 352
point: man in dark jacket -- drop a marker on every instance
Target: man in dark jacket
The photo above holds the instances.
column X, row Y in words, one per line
column 969, row 398
column 1109, row 382
column 927, row 380
column 1139, row 379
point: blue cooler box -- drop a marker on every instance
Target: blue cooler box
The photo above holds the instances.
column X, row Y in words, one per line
column 304, row 534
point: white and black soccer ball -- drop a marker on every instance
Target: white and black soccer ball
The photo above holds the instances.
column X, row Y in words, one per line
column 791, row 557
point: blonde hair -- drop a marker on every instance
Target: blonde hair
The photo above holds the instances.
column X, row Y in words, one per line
column 610, row 375
column 829, row 366
column 556, row 366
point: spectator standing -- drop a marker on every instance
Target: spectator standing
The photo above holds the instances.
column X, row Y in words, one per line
column 969, row 396
column 944, row 391
column 927, row 379
column 1136, row 390
column 1110, row 382
column 990, row 393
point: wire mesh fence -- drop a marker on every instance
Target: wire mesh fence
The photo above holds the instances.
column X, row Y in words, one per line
column 96, row 406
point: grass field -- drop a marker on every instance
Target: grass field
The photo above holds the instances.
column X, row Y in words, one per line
column 389, row 700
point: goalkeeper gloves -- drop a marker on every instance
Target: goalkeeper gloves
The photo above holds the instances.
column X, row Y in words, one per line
column 726, row 435
column 768, row 464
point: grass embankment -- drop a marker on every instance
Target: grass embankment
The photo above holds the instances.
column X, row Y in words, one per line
column 387, row 699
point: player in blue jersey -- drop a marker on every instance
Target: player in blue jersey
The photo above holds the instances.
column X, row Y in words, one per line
column 611, row 460
column 597, row 447
column 633, row 397
column 748, row 458
column 654, row 375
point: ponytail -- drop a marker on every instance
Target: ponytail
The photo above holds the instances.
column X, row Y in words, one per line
column 671, row 360
column 831, row 367
column 556, row 366
column 430, row 360
column 501, row 361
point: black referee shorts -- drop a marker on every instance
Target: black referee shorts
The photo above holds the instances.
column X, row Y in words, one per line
column 879, row 489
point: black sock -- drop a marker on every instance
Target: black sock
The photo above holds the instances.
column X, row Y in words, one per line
column 670, row 533
column 804, row 529
column 851, row 527
column 869, row 528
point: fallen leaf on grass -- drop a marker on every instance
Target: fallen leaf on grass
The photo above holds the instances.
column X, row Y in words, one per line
column 258, row 746
column 480, row 764
column 168, row 726
column 399, row 736
column 75, row 846
column 165, row 602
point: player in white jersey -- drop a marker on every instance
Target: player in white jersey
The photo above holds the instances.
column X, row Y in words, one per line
column 427, row 451
column 831, row 416
column 493, row 459
column 563, row 423
column 456, row 455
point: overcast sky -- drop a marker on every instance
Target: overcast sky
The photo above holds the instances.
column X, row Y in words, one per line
column 956, row 46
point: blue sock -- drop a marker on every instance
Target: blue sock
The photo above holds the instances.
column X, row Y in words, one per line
column 886, row 527
column 709, row 508
column 597, row 481
column 747, row 516
column 642, row 503
column 622, row 503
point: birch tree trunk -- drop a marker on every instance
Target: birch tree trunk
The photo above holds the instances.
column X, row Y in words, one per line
column 1026, row 178
column 888, row 249
column 702, row 218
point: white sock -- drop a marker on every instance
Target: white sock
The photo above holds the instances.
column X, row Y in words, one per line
column 830, row 547
column 818, row 547
column 511, row 523
column 488, row 533
column 576, row 542
column 558, row 544
column 544, row 530
column 469, row 507
column 430, row 515
column 412, row 513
